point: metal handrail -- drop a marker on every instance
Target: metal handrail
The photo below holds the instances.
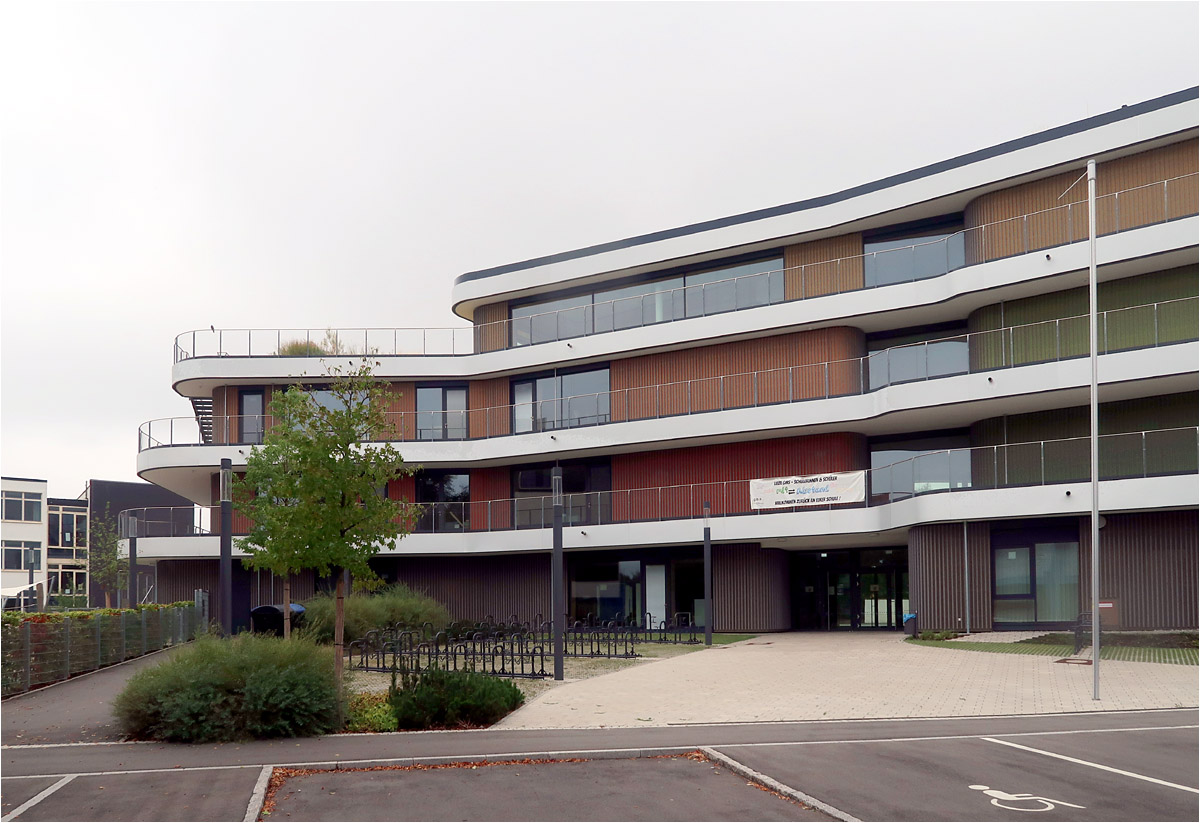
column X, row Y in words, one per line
column 990, row 239
column 993, row 349
column 1154, row 453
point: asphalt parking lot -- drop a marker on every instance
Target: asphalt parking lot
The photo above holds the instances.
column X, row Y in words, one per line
column 1100, row 766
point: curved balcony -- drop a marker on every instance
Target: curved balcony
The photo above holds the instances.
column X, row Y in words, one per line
column 1162, row 453
column 1151, row 325
column 1159, row 202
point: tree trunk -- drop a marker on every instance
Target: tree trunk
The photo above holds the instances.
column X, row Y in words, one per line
column 287, row 606
column 339, row 631
column 107, row 599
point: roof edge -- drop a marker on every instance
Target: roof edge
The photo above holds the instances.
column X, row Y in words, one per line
column 1114, row 116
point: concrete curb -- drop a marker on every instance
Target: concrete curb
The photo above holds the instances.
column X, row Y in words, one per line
column 775, row 786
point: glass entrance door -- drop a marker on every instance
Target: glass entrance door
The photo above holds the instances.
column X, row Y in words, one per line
column 877, row 601
column 867, row 600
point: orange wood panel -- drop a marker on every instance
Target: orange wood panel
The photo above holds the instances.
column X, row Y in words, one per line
column 488, row 401
column 1008, row 232
column 742, row 373
column 494, row 483
column 826, row 266
column 491, row 330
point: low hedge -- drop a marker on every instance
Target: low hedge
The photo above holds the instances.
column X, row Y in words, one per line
column 248, row 686
column 451, row 700
column 382, row 609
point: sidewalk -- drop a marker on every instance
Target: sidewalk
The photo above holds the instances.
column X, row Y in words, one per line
column 819, row 676
column 74, row 711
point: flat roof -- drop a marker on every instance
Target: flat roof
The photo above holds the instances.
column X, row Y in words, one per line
column 1123, row 113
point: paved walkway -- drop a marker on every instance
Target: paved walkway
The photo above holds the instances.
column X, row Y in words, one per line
column 817, row 676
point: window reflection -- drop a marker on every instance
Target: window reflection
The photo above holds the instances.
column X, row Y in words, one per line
column 903, row 256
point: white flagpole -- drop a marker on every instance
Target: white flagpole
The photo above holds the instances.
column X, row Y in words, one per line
column 1094, row 410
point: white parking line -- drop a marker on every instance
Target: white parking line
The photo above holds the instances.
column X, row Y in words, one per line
column 260, row 793
column 774, row 785
column 37, row 798
column 1093, row 765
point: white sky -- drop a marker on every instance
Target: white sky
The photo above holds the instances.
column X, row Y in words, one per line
column 168, row 166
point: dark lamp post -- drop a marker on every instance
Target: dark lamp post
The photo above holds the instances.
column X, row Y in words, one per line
column 558, row 606
column 708, row 609
column 225, row 582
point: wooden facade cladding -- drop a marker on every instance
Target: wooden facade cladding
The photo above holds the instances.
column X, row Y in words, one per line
column 826, row 266
column 1147, row 565
column 474, row 587
column 691, row 476
column 491, row 330
column 738, row 374
column 488, row 484
column 937, row 579
column 227, row 423
column 1051, row 228
column 488, row 401
column 751, row 589
column 401, row 411
column 1023, row 331
column 177, row 580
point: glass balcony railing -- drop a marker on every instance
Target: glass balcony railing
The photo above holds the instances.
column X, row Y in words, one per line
column 1155, row 324
column 1158, row 453
column 1158, row 202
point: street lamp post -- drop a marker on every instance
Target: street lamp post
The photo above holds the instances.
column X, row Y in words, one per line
column 557, row 605
column 1094, row 411
column 708, row 610
column 131, row 582
column 225, row 582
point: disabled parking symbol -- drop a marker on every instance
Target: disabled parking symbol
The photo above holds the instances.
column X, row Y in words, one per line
column 1003, row 799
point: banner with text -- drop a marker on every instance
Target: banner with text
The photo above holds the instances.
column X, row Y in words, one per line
column 814, row 490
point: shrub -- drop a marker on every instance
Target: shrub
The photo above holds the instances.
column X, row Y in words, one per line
column 370, row 712
column 248, row 686
column 451, row 700
column 301, row 348
column 387, row 607
column 937, row 635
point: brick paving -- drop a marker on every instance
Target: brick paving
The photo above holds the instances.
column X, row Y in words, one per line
column 816, row 676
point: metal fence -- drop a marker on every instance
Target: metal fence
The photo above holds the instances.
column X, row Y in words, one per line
column 39, row 653
column 512, row 648
column 1151, row 325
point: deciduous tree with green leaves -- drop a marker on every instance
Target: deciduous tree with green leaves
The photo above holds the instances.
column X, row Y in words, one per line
column 315, row 491
column 105, row 564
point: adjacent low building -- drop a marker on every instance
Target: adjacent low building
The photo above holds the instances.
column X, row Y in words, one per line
column 904, row 362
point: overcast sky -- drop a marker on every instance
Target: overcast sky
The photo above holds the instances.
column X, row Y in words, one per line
column 167, row 166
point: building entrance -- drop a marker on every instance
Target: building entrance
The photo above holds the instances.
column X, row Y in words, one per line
column 851, row 589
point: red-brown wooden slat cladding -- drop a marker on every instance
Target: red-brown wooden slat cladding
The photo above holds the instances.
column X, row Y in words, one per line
column 401, row 411
column 751, row 589
column 711, row 466
column 1147, row 564
column 491, row 332
column 826, row 266
column 491, row 484
column 738, row 374
column 935, row 575
column 473, row 587
column 1137, row 208
column 488, row 401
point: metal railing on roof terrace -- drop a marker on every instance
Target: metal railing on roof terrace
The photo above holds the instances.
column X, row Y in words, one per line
column 1156, row 453
column 1135, row 327
column 1159, row 202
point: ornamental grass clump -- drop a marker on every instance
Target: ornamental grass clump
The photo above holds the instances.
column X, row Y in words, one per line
column 366, row 611
column 245, row 687
column 451, row 700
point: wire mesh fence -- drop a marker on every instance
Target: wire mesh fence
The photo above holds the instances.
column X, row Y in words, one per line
column 43, row 649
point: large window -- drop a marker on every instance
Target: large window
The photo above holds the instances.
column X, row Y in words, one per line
column 903, row 357
column 447, row 497
column 906, row 466
column 20, row 555
column 587, row 486
column 23, row 506
column 442, row 413
column 250, row 416
column 914, row 251
column 560, row 401
column 690, row 294
column 1035, row 577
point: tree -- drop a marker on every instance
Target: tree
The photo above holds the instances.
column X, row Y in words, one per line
column 316, row 489
column 105, row 564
